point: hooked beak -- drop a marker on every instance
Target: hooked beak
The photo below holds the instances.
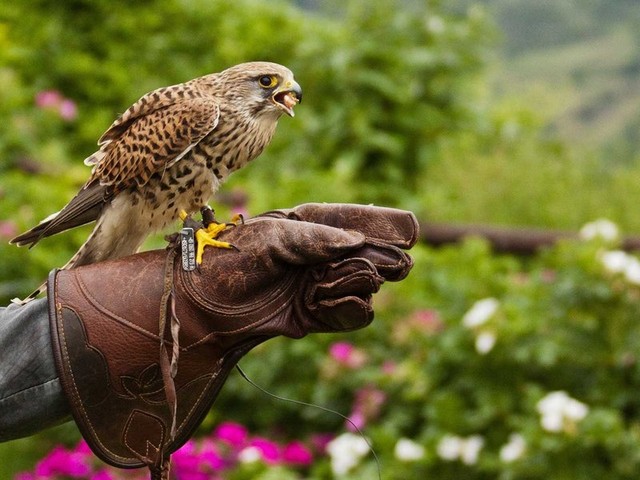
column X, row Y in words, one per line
column 287, row 97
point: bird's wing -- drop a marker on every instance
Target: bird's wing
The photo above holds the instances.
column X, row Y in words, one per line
column 150, row 143
column 154, row 141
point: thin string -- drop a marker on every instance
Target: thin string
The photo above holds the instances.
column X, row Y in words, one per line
column 319, row 407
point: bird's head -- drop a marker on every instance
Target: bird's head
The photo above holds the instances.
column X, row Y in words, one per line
column 263, row 87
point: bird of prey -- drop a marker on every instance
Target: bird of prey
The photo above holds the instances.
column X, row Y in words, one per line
column 167, row 155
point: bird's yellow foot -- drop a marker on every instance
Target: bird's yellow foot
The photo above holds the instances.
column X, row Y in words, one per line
column 207, row 236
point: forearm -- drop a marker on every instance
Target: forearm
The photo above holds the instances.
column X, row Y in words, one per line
column 31, row 397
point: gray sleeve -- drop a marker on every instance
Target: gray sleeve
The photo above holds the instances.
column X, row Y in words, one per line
column 31, row 397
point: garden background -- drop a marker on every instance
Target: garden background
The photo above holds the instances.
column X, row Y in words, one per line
column 503, row 112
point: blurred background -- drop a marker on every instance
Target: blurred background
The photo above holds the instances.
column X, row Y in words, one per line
column 508, row 113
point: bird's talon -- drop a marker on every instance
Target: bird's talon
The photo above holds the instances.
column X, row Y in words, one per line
column 238, row 217
column 205, row 238
column 214, row 229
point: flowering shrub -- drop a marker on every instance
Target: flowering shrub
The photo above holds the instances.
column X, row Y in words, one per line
column 553, row 394
column 230, row 449
column 478, row 366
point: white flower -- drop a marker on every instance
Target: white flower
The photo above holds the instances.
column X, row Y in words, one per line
column 575, row 410
column 449, row 447
column 615, row 261
column 480, row 312
column 601, row 228
column 471, row 449
column 513, row 449
column 632, row 272
column 452, row 447
column 485, row 342
column 346, row 451
column 408, row 451
column 435, row 24
column 552, row 422
column 249, row 455
column 558, row 410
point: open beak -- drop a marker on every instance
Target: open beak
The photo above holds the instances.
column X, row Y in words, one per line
column 288, row 97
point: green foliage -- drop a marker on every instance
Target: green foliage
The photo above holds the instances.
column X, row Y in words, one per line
column 396, row 111
column 563, row 323
column 380, row 91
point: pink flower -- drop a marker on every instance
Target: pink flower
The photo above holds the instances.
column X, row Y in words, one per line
column 48, row 99
column 427, row 320
column 8, row 229
column 319, row 441
column 296, row 453
column 341, row 351
column 233, row 434
column 346, row 354
column 389, row 367
column 53, row 99
column 62, row 462
column 356, row 421
column 68, row 110
column 367, row 406
column 269, row 451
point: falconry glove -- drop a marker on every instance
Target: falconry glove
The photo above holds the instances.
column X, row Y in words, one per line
column 143, row 347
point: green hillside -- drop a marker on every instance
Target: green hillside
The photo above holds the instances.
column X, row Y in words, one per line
column 578, row 61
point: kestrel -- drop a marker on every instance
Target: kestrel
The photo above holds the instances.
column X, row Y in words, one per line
column 169, row 153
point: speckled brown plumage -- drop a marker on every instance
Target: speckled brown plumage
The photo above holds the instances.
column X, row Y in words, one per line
column 169, row 152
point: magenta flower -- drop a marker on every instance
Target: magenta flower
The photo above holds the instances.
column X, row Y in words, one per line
column 83, row 448
column 63, row 462
column 269, row 451
column 102, row 475
column 25, row 476
column 48, row 99
column 210, row 455
column 296, row 453
column 346, row 354
column 233, row 434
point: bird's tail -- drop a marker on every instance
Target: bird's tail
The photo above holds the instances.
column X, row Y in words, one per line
column 84, row 256
column 32, row 296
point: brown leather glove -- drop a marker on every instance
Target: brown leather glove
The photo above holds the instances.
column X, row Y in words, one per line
column 143, row 346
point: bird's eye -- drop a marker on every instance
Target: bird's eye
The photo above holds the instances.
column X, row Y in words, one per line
column 268, row 81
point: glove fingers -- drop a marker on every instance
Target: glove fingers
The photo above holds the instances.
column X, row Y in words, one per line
column 353, row 276
column 340, row 296
column 390, row 262
column 344, row 314
column 305, row 243
column 389, row 225
column 295, row 243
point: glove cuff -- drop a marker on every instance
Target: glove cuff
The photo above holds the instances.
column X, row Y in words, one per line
column 110, row 356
